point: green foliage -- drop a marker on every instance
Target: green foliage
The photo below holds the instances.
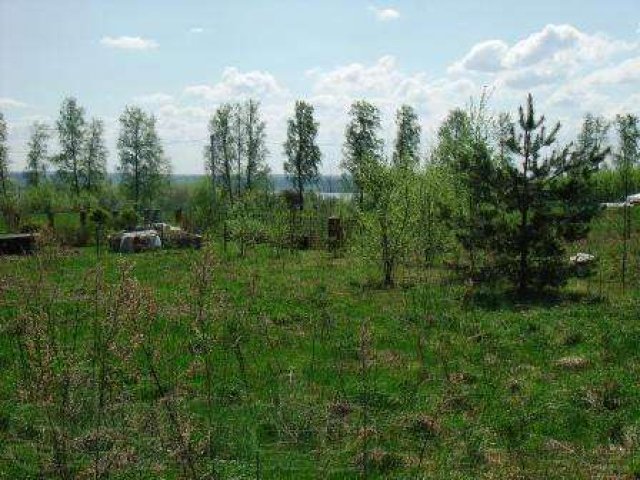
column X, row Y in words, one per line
column 245, row 225
column 220, row 160
column 237, row 150
column 389, row 215
column 4, row 158
column 464, row 152
column 628, row 154
column 627, row 157
column 440, row 201
column 545, row 200
column 609, row 185
column 110, row 196
column 407, row 145
column 143, row 167
column 99, row 216
column 255, row 134
column 94, row 158
column 10, row 210
column 71, row 130
column 128, row 219
column 362, row 141
column 301, row 149
column 38, row 156
column 46, row 198
column 200, row 213
column 594, row 133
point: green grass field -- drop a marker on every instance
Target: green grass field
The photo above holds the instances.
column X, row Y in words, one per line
column 294, row 364
column 314, row 370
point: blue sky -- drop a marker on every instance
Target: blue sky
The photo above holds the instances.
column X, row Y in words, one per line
column 180, row 60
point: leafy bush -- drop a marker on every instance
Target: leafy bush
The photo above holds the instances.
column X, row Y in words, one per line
column 128, row 219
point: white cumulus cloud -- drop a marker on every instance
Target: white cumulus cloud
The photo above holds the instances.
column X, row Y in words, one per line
column 235, row 85
column 568, row 71
column 562, row 45
column 6, row 102
column 626, row 72
column 385, row 14
column 542, row 45
column 485, row 56
column 129, row 43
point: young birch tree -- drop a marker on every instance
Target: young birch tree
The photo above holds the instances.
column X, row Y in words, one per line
column 220, row 162
column 407, row 145
column 362, row 142
column 71, row 130
column 143, row 165
column 4, row 157
column 38, row 155
column 94, row 157
column 389, row 214
column 256, row 149
column 301, row 149
column 239, row 146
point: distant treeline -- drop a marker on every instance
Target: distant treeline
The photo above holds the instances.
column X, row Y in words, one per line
column 279, row 181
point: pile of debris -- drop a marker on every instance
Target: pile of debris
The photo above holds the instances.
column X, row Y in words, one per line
column 582, row 263
column 581, row 258
column 630, row 201
column 175, row 237
column 156, row 236
column 135, row 241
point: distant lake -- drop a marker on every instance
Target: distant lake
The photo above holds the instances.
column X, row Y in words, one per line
column 336, row 195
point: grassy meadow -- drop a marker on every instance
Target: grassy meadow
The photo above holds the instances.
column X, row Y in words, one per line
column 296, row 364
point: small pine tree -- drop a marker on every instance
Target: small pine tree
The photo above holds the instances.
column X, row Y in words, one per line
column 545, row 200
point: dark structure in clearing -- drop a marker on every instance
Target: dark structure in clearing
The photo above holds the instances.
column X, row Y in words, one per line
column 18, row 243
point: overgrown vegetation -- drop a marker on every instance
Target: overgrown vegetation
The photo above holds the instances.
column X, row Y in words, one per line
column 440, row 324
column 273, row 365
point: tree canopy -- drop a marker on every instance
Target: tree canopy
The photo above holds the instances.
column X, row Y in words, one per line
column 143, row 166
column 301, row 148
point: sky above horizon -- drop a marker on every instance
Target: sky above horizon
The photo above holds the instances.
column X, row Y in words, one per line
column 180, row 61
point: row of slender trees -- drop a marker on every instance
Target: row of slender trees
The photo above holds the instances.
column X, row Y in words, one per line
column 517, row 197
column 236, row 152
column 80, row 163
column 504, row 187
